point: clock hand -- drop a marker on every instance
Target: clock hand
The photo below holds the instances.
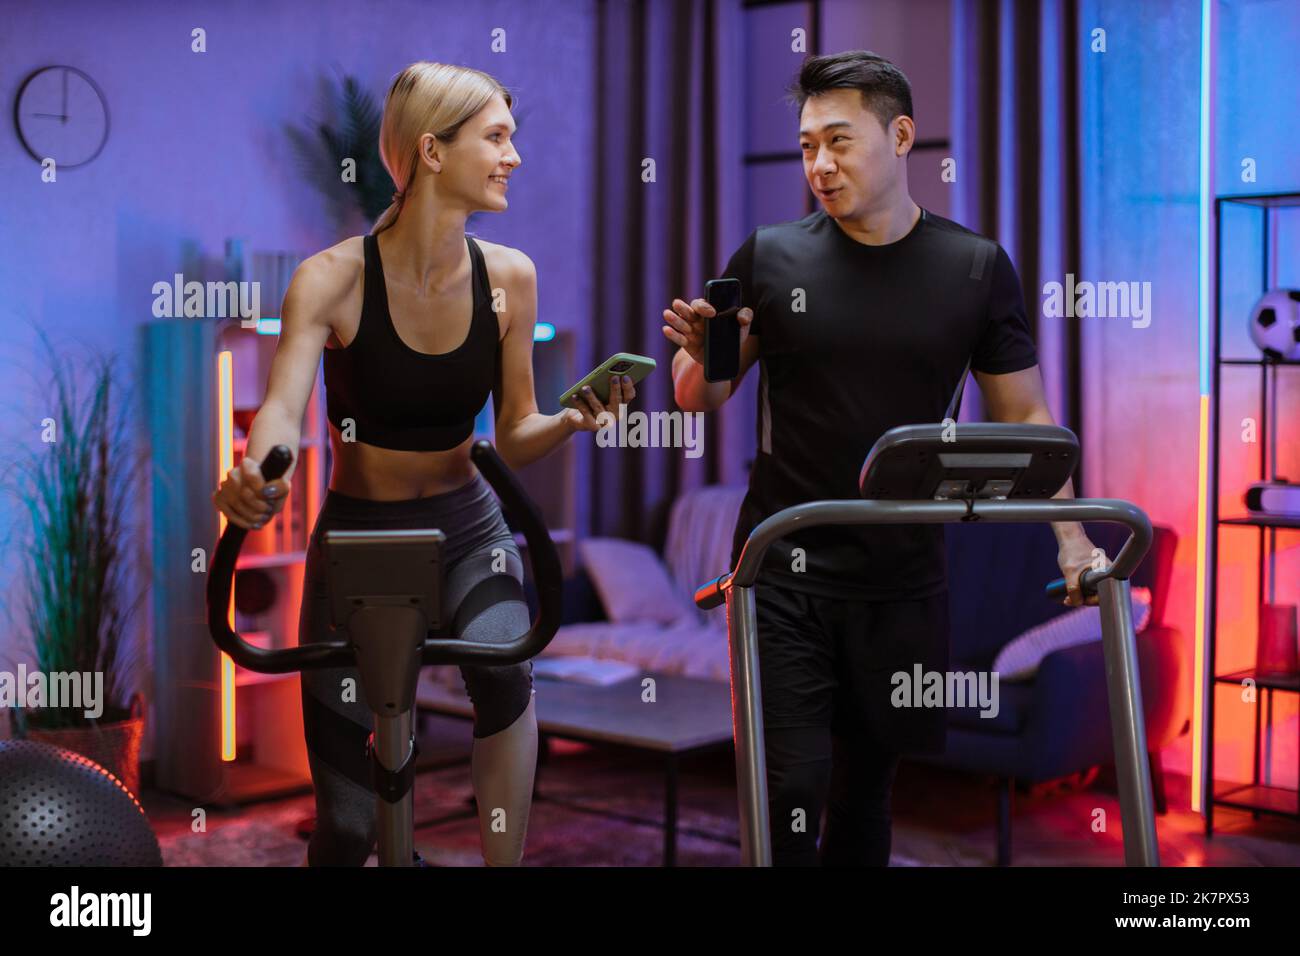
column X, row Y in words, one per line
column 51, row 115
column 65, row 96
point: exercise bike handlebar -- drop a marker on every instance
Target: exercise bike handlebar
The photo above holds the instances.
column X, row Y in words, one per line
column 546, row 574
column 847, row 511
column 221, row 579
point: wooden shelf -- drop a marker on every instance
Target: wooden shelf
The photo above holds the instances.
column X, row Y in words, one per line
column 247, row 678
column 1262, row 521
column 277, row 560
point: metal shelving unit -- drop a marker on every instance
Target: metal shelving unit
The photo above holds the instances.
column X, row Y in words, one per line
column 1257, row 797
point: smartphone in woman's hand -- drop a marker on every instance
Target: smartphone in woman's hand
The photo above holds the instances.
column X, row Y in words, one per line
column 635, row 367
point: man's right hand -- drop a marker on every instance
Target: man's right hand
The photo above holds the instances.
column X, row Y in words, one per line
column 685, row 326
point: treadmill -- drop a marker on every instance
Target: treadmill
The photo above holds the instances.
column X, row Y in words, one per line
column 941, row 474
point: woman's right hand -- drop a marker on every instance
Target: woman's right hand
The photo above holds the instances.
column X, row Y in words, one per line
column 246, row 499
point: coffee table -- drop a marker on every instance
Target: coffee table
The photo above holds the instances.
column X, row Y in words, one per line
column 688, row 716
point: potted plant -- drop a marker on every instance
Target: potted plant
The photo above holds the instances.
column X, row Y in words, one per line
column 73, row 488
column 322, row 155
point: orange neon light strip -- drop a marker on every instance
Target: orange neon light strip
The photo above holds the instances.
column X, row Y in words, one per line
column 226, row 461
column 1202, row 561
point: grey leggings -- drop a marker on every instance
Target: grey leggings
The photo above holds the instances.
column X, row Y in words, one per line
column 480, row 601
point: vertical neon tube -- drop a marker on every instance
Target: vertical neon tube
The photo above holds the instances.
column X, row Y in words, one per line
column 1206, row 463
column 226, row 461
column 1199, row 731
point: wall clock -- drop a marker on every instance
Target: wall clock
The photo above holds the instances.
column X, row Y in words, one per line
column 61, row 113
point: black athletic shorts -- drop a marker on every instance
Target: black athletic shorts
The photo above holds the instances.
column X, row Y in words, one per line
column 829, row 662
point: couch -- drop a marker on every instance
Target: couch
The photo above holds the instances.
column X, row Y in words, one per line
column 671, row 636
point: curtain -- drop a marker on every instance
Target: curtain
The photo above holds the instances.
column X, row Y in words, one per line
column 670, row 88
column 1016, row 139
column 669, row 213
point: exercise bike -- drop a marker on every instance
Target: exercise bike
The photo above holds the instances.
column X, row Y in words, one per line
column 385, row 594
column 936, row 474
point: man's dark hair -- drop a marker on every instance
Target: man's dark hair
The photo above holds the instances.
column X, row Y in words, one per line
column 885, row 90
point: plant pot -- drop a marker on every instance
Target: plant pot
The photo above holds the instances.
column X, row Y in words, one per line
column 114, row 745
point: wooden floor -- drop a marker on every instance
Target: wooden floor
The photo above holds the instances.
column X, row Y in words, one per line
column 601, row 807
column 942, row 818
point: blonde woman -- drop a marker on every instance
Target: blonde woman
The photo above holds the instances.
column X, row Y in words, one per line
column 404, row 320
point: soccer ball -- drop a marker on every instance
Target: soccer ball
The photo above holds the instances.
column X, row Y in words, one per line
column 1275, row 324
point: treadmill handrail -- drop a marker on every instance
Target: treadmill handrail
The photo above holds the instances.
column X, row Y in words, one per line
column 850, row 511
column 541, row 552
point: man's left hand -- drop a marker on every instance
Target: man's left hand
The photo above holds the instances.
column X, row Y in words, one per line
column 1075, row 557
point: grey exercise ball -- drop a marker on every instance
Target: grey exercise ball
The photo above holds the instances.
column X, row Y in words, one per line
column 58, row 808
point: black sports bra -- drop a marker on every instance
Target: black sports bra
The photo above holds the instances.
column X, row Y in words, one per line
column 403, row 399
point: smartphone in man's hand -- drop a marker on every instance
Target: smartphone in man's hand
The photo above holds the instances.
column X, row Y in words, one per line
column 722, row 331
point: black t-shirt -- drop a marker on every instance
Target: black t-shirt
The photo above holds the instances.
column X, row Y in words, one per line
column 855, row 340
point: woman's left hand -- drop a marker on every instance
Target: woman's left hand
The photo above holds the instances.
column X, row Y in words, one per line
column 587, row 414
